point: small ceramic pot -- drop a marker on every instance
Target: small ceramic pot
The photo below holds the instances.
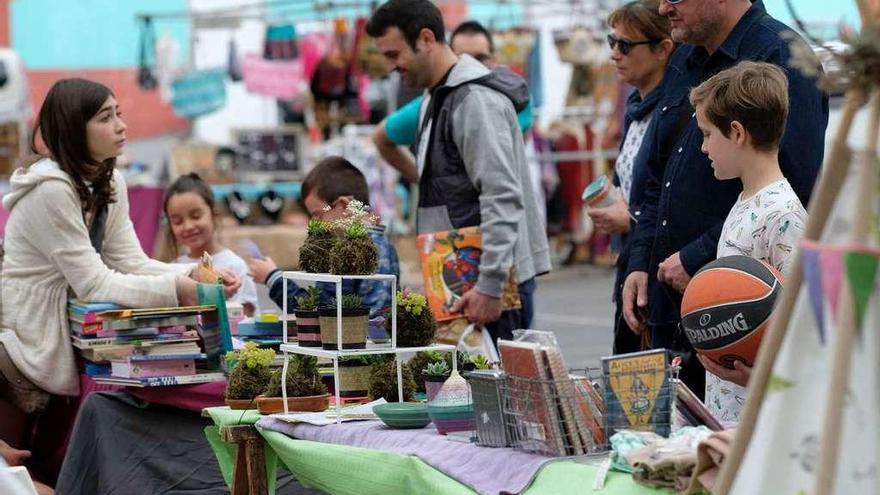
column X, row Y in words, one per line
column 308, row 329
column 433, row 385
column 312, row 403
column 354, row 379
column 354, row 327
column 241, row 404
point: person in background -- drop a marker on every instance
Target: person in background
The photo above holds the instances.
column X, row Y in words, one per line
column 471, row 159
column 401, row 127
column 741, row 112
column 684, row 206
column 189, row 208
column 641, row 45
column 69, row 235
column 327, row 191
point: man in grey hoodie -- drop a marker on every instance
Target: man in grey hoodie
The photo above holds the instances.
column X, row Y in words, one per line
column 471, row 158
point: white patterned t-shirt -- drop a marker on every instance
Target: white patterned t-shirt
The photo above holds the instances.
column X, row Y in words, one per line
column 767, row 227
column 623, row 166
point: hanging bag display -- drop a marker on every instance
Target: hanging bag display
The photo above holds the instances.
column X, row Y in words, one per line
column 146, row 76
column 199, row 93
column 233, row 64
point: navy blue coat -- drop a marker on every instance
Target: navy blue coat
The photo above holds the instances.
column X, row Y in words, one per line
column 684, row 205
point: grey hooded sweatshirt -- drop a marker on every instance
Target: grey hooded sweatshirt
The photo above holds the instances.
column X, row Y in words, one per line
column 473, row 168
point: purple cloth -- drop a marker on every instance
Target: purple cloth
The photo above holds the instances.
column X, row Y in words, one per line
column 486, row 470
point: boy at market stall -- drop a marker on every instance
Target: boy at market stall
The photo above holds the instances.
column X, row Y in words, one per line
column 742, row 113
column 327, row 191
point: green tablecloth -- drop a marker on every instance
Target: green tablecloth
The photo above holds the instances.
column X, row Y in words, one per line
column 225, row 452
column 345, row 470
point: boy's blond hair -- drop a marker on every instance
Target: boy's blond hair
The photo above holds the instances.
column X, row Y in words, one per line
column 755, row 94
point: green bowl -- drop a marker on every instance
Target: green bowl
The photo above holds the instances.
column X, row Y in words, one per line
column 403, row 415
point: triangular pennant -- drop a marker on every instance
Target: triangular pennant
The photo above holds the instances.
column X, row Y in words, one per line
column 832, row 273
column 813, row 277
column 861, row 272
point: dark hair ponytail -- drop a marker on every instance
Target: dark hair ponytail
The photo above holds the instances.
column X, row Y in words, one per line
column 61, row 123
column 193, row 183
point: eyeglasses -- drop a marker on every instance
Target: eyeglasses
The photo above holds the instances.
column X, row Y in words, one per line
column 674, row 2
column 625, row 45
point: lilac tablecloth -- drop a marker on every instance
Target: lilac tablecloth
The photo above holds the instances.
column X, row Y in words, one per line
column 486, row 470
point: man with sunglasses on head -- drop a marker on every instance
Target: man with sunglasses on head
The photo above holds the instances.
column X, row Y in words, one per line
column 471, row 162
column 684, row 205
column 400, row 128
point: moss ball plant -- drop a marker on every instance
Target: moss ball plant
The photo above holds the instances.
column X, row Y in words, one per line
column 314, row 255
column 250, row 373
column 303, row 379
column 356, row 254
column 415, row 320
column 383, row 380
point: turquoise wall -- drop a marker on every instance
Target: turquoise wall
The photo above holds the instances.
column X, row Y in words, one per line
column 104, row 34
column 94, row 34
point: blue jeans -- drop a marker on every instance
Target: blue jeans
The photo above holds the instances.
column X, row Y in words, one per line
column 515, row 319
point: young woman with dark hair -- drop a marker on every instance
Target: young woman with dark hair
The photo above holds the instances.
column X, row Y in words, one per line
column 69, row 235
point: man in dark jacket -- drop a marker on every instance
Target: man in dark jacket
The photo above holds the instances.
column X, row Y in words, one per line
column 471, row 158
column 685, row 206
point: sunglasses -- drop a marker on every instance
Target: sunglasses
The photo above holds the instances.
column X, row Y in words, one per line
column 674, row 2
column 625, row 45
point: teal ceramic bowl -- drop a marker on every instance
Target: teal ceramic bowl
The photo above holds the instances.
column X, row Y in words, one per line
column 403, row 415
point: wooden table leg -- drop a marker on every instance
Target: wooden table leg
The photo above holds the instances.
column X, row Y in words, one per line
column 249, row 477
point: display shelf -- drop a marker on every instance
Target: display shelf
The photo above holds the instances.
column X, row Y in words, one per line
column 370, row 350
column 334, row 355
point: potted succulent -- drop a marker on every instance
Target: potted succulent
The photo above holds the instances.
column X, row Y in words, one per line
column 435, row 375
column 308, row 328
column 354, row 376
column 305, row 390
column 415, row 320
column 249, row 376
column 480, row 362
column 314, row 255
column 383, row 380
column 355, row 319
column 355, row 254
column 419, row 362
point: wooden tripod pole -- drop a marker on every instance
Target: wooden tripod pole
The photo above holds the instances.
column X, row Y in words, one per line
column 830, row 183
column 846, row 318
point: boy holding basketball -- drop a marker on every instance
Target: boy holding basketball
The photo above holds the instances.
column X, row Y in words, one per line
column 742, row 113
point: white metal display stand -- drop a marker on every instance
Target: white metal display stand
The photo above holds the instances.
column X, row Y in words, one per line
column 371, row 349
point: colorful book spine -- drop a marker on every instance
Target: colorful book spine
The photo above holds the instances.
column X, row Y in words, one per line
column 161, row 381
column 153, row 368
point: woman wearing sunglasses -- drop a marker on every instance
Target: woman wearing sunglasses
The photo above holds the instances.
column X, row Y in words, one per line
column 640, row 45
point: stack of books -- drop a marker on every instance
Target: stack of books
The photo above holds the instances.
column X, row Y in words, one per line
column 146, row 347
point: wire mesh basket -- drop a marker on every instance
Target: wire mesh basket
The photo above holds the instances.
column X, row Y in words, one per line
column 490, row 418
column 553, row 417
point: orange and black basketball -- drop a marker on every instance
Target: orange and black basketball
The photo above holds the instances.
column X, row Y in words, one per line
column 727, row 306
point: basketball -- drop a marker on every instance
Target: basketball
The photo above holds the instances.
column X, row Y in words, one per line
column 727, row 306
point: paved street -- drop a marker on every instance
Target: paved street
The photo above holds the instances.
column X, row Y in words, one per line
column 575, row 304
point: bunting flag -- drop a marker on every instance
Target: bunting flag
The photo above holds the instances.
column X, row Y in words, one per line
column 813, row 278
column 782, row 455
column 861, row 272
column 830, row 259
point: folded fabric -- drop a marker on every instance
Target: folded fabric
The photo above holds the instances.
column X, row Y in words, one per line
column 710, row 454
column 625, row 441
column 669, row 462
